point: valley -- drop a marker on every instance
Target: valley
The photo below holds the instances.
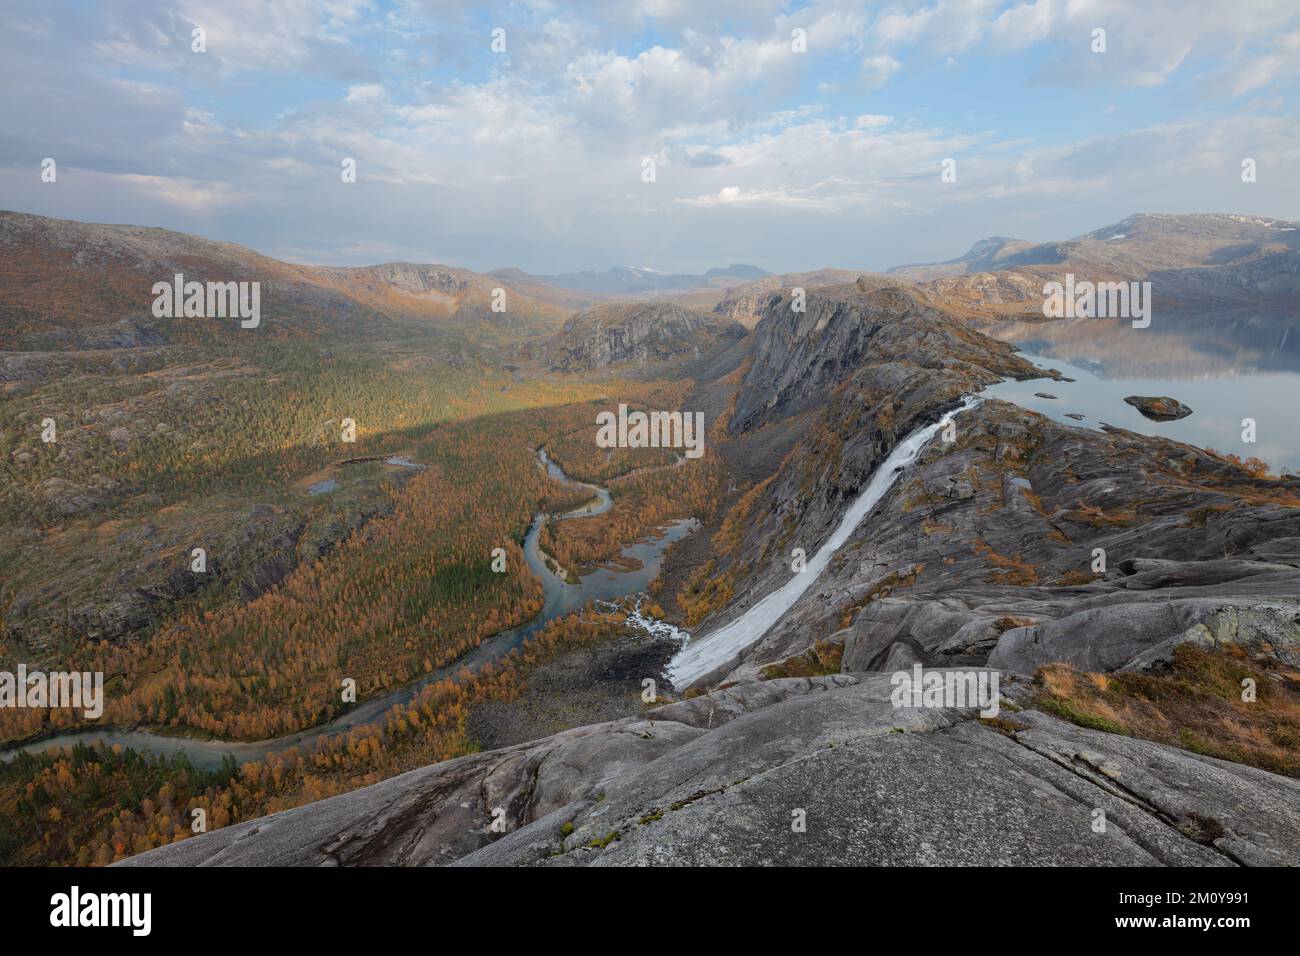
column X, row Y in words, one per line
column 881, row 484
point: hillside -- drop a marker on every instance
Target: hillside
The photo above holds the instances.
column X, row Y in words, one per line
column 1190, row 261
column 87, row 285
column 986, row 255
column 641, row 333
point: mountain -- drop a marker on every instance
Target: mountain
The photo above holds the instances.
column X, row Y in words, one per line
column 536, row 289
column 985, row 255
column 642, row 332
column 746, row 303
column 627, row 281
column 1190, row 261
column 436, row 291
column 89, row 285
column 873, row 366
column 975, row 296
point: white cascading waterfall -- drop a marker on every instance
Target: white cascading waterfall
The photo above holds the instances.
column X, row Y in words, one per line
column 706, row 654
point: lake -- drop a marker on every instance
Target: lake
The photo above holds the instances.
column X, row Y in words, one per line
column 1226, row 367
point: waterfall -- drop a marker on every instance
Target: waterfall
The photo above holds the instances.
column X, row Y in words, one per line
column 705, row 654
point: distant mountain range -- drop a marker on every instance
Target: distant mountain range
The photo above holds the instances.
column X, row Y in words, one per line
column 66, row 284
column 1190, row 260
column 1193, row 262
column 624, row 280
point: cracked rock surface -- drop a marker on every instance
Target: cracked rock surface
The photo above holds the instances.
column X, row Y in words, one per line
column 720, row 778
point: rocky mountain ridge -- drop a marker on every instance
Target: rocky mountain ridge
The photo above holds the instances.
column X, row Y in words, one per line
column 1190, row 260
column 1000, row 518
column 638, row 333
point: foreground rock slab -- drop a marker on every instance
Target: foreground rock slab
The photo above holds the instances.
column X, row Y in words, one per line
column 722, row 779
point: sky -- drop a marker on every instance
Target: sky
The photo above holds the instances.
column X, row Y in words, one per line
column 791, row 136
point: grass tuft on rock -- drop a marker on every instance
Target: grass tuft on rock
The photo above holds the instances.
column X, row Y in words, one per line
column 1196, row 704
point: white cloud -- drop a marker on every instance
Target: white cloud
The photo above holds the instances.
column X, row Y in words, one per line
column 877, row 70
column 535, row 157
column 778, row 198
column 871, row 121
column 193, row 195
column 371, row 93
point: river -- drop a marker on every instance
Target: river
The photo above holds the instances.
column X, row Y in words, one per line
column 602, row 584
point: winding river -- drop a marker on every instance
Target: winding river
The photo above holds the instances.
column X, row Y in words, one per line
column 560, row 597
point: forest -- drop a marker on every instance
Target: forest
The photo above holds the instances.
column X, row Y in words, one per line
column 398, row 596
column 92, row 805
column 389, row 571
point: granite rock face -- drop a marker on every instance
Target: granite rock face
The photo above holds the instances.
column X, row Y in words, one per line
column 1141, row 634
column 641, row 332
column 822, row 771
column 1043, row 540
column 881, row 337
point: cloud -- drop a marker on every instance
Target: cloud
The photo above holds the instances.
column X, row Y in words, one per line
column 1280, row 63
column 532, row 158
column 777, row 198
column 877, row 70
column 872, row 121
column 193, row 195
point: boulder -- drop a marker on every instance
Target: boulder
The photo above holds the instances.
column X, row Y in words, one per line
column 1159, row 408
column 1141, row 634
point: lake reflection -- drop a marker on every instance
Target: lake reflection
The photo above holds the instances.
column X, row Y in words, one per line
column 1226, row 367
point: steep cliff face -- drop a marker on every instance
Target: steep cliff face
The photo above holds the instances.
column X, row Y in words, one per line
column 746, row 303
column 641, row 333
column 802, row 357
column 855, row 373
